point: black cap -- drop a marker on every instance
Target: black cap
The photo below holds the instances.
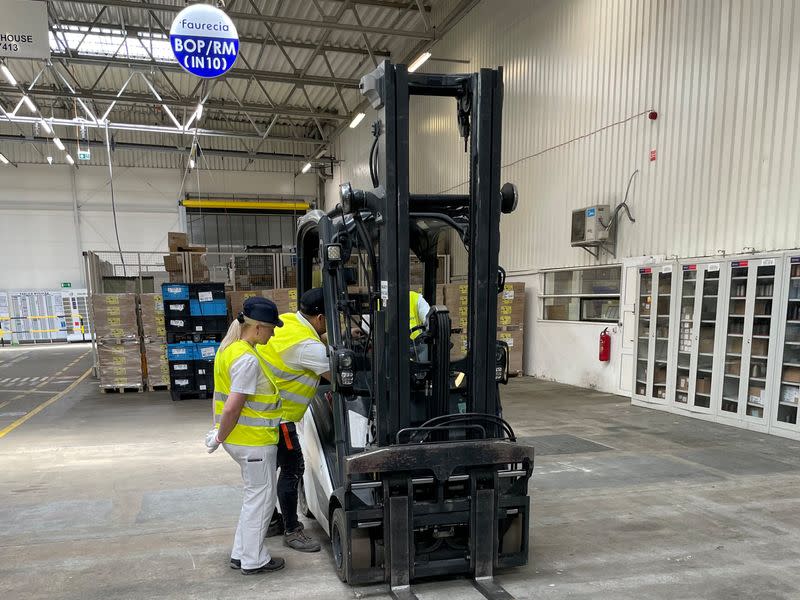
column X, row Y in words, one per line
column 262, row 309
column 312, row 303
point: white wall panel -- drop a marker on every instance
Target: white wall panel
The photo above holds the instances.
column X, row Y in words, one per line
column 579, row 78
column 39, row 245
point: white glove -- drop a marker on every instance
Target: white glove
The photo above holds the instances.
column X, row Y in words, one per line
column 212, row 443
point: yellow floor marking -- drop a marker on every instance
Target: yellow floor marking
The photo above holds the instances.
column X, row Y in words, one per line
column 43, row 405
column 5, row 403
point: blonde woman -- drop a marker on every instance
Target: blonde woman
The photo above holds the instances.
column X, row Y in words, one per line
column 247, row 411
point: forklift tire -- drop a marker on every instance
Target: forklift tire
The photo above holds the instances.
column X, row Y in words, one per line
column 356, row 553
column 339, row 544
column 302, row 503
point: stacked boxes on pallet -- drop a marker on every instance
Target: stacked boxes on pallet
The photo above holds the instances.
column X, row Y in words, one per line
column 154, row 336
column 284, row 298
column 118, row 348
column 196, row 320
column 510, row 320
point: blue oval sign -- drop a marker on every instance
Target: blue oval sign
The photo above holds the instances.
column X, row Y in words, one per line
column 204, row 40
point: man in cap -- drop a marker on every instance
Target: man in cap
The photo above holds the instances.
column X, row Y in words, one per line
column 298, row 359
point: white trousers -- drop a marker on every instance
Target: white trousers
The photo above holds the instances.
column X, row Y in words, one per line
column 258, row 464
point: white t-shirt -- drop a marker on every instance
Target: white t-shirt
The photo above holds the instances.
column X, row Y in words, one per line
column 423, row 308
column 247, row 377
column 308, row 354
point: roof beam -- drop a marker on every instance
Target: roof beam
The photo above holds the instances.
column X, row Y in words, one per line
column 235, row 73
column 274, row 20
column 210, row 104
column 131, row 147
column 136, row 30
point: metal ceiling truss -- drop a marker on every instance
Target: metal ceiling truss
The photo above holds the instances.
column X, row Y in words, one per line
column 312, row 127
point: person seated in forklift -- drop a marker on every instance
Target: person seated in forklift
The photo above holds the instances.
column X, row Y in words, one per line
column 297, row 356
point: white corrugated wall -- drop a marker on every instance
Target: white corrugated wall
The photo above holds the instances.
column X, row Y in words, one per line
column 580, row 78
column 722, row 75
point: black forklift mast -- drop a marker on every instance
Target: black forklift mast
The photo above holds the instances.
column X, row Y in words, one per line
column 472, row 516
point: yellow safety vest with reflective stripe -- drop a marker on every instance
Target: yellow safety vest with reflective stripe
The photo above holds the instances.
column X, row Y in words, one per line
column 413, row 317
column 297, row 386
column 261, row 414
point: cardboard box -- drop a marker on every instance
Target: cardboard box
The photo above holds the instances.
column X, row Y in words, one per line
column 285, row 298
column 115, row 316
column 236, row 300
column 516, row 341
column 152, row 315
column 177, row 241
column 706, row 345
column 702, row 384
column 173, row 263
column 460, row 344
column 791, row 374
column 660, row 374
column 119, row 364
column 156, row 364
column 759, row 347
column 683, row 383
column 755, row 395
column 735, row 345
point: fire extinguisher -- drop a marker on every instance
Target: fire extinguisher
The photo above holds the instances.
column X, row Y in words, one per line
column 605, row 346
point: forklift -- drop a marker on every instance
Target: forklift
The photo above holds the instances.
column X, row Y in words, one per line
column 410, row 466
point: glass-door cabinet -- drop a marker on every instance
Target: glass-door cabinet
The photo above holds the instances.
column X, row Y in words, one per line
column 788, row 369
column 751, row 328
column 653, row 334
column 698, row 291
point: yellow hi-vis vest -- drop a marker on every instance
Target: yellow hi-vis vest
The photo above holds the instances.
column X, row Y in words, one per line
column 413, row 317
column 297, row 386
column 261, row 414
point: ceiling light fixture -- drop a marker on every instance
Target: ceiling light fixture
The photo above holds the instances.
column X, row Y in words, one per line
column 70, row 160
column 419, row 61
column 8, row 75
column 199, row 111
column 191, row 163
column 307, row 168
column 59, row 144
column 46, row 127
column 3, row 159
column 356, row 120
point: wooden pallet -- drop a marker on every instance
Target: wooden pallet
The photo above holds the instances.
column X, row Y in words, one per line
column 121, row 389
column 161, row 387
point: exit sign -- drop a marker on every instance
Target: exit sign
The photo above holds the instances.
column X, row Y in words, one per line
column 84, row 154
column 66, row 284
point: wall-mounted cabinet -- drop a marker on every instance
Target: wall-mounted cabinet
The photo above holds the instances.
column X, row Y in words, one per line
column 733, row 342
column 698, row 289
column 653, row 334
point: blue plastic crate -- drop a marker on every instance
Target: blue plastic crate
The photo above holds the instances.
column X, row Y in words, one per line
column 211, row 308
column 175, row 291
column 181, row 351
column 205, row 350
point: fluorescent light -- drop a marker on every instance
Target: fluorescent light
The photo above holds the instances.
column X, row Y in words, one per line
column 307, row 168
column 3, row 159
column 70, row 160
column 29, row 103
column 46, row 126
column 8, row 75
column 191, row 163
column 419, row 61
column 356, row 120
column 59, row 144
column 199, row 111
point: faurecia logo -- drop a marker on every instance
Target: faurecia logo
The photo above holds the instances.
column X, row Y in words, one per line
column 204, row 26
column 204, row 40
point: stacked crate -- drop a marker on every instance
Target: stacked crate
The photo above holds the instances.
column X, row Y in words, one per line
column 119, row 355
column 154, row 337
column 196, row 319
column 510, row 320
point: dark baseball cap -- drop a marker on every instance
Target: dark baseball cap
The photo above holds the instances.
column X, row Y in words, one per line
column 262, row 309
column 312, row 303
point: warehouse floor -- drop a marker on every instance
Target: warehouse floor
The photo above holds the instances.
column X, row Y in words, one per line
column 113, row 496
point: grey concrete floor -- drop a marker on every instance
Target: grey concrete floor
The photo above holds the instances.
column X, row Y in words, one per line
column 113, row 496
